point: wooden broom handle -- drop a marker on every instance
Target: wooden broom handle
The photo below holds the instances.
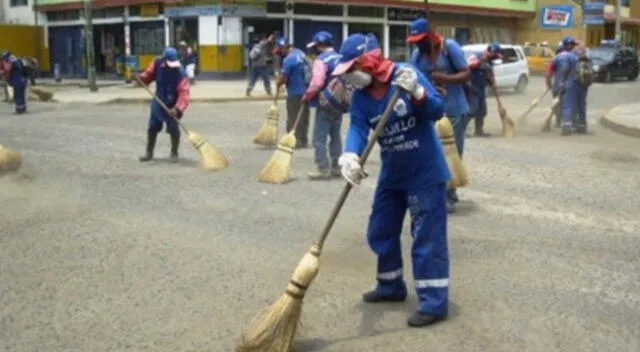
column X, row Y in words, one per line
column 160, row 102
column 495, row 92
column 299, row 117
column 363, row 159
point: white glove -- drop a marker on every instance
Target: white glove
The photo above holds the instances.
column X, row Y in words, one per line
column 407, row 79
column 350, row 168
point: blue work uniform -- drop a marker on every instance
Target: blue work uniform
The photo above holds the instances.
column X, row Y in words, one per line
column 413, row 177
column 581, row 93
column 167, row 80
column 17, row 81
column 479, row 82
column 564, row 83
column 294, row 70
column 450, row 61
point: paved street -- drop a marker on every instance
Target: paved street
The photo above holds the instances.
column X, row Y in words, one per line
column 101, row 253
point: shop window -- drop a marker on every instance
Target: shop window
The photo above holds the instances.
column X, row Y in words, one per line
column 69, row 15
column 318, row 10
column 147, row 38
column 135, row 10
column 17, row 3
column 366, row 11
column 276, row 7
column 108, row 12
column 399, row 50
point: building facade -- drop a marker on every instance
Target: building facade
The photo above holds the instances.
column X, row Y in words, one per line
column 223, row 30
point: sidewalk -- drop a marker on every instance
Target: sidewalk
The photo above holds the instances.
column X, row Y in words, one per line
column 624, row 119
column 201, row 92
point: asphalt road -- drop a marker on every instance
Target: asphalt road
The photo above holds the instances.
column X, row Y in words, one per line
column 101, row 253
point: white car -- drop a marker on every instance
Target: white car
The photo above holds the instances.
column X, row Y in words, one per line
column 510, row 72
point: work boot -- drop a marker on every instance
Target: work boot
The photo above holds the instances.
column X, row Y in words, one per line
column 248, row 92
column 451, row 207
column 175, row 142
column 374, row 297
column 565, row 131
column 581, row 129
column 479, row 128
column 336, row 171
column 151, row 144
column 319, row 175
column 418, row 320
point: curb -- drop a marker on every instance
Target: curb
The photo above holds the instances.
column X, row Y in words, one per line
column 609, row 122
column 192, row 101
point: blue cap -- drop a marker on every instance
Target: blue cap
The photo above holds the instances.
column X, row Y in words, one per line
column 418, row 29
column 282, row 42
column 170, row 55
column 322, row 37
column 494, row 48
column 353, row 47
column 568, row 40
column 5, row 55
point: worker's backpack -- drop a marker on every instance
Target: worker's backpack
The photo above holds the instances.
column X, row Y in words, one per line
column 306, row 68
column 336, row 94
column 584, row 72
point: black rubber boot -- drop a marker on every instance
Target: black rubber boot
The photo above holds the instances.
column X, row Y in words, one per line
column 479, row 128
column 374, row 297
column 175, row 143
column 418, row 320
column 151, row 145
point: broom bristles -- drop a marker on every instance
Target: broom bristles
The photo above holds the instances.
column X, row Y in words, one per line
column 459, row 176
column 212, row 159
column 277, row 169
column 9, row 160
column 546, row 126
column 508, row 126
column 274, row 328
column 268, row 133
column 43, row 94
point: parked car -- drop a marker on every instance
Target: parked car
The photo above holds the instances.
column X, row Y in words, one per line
column 512, row 71
column 611, row 61
column 538, row 56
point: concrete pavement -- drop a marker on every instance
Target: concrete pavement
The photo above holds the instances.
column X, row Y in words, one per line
column 201, row 92
column 624, row 119
column 101, row 253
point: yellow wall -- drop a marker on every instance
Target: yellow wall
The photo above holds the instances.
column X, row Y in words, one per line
column 20, row 40
column 144, row 61
column 529, row 29
column 212, row 59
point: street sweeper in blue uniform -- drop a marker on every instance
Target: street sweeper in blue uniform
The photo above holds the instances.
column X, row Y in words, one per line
column 172, row 88
column 413, row 176
column 12, row 69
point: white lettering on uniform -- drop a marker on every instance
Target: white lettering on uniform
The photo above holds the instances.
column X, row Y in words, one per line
column 374, row 119
column 399, row 127
column 402, row 147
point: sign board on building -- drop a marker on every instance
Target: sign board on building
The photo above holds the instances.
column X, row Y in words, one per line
column 149, row 10
column 403, row 14
column 556, row 17
column 593, row 12
column 222, row 10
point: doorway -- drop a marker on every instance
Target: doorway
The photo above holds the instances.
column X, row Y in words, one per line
column 108, row 43
column 254, row 29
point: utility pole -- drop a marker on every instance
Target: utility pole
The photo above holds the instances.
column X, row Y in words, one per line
column 36, row 39
column 91, row 59
column 618, row 20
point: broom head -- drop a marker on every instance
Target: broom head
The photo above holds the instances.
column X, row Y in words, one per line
column 508, row 126
column 212, row 159
column 268, row 133
column 277, row 169
column 9, row 160
column 456, row 167
column 274, row 328
column 42, row 94
column 9, row 93
column 546, row 126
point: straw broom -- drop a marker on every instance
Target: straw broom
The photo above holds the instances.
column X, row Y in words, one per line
column 212, row 159
column 268, row 134
column 546, row 125
column 42, row 94
column 9, row 160
column 459, row 176
column 508, row 126
column 274, row 329
column 277, row 169
column 534, row 103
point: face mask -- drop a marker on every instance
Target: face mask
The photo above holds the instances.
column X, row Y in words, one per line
column 425, row 47
column 358, row 79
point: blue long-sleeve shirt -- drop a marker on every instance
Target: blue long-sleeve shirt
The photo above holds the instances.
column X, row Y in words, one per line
column 412, row 156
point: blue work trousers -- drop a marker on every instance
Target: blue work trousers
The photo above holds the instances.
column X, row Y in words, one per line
column 429, row 252
column 260, row 72
column 327, row 124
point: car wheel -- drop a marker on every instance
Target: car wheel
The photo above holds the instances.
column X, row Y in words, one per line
column 634, row 75
column 522, row 84
column 607, row 77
